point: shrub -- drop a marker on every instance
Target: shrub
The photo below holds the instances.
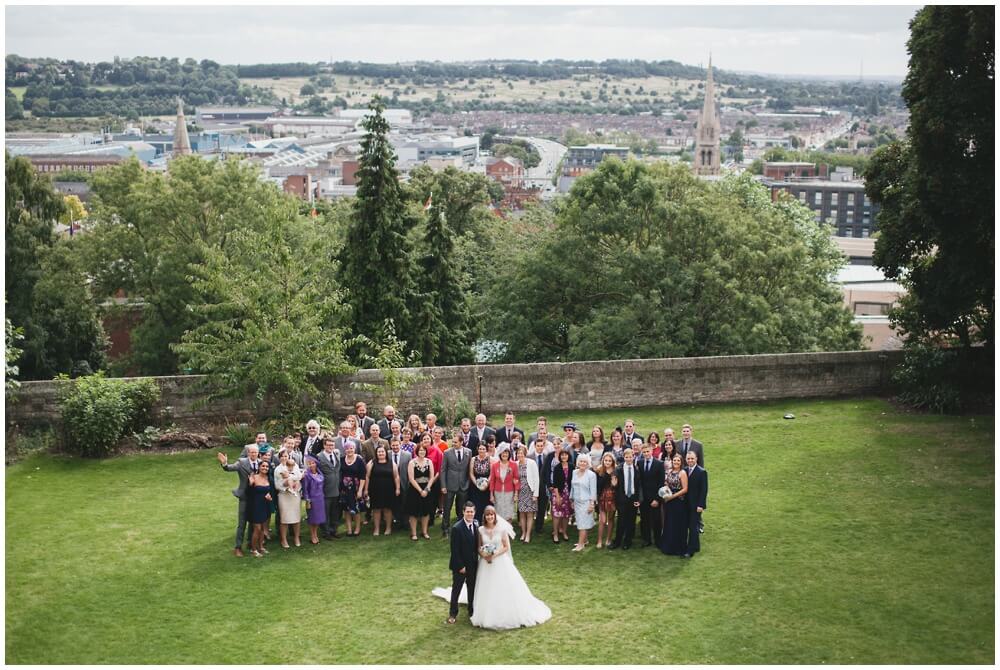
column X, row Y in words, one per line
column 239, row 434
column 451, row 407
column 945, row 380
column 97, row 412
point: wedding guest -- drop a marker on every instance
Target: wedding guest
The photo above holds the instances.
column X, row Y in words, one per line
column 268, row 455
column 415, row 427
column 673, row 541
column 577, row 447
column 618, row 446
column 352, row 490
column 559, row 494
column 667, row 453
column 491, row 447
column 261, row 495
column 542, row 424
column 244, row 467
column 287, row 482
column 688, row 443
column 292, row 446
column 312, row 493
column 630, row 435
column 596, row 445
column 364, row 421
column 436, row 453
column 668, row 440
column 527, row 495
column 538, row 455
column 355, row 431
column 607, row 491
column 374, row 441
column 401, row 462
column 504, row 484
column 430, row 423
column 696, row 497
column 506, row 432
column 382, row 484
column 395, row 431
column 385, row 423
column 408, row 441
column 653, row 440
column 455, row 479
column 651, row 475
column 419, row 502
column 346, row 435
column 584, row 494
column 312, row 443
column 479, row 475
column 628, row 501
column 330, row 461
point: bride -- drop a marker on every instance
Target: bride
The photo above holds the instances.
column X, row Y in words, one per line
column 502, row 600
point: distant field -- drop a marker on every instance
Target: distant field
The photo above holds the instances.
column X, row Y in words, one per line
column 18, row 91
column 496, row 89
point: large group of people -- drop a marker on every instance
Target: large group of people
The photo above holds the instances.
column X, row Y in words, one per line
column 408, row 475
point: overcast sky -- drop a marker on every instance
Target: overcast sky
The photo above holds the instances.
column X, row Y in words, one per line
column 810, row 40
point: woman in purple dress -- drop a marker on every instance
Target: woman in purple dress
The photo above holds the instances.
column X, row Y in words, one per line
column 312, row 493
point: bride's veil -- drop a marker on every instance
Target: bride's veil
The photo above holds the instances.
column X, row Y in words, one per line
column 504, row 526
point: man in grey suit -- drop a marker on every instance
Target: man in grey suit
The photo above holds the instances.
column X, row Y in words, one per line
column 244, row 467
column 401, row 459
column 328, row 462
column 454, row 481
column 344, row 437
column 365, row 422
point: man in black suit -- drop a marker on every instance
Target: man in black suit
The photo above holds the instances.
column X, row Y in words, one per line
column 697, row 501
column 652, row 475
column 537, row 454
column 311, row 443
column 628, row 498
column 464, row 559
column 688, row 443
column 385, row 423
column 328, row 461
column 365, row 422
column 506, row 432
column 630, row 434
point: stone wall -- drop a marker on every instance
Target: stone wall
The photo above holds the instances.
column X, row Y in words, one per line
column 536, row 387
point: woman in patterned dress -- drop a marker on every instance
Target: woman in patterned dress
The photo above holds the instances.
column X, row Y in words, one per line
column 559, row 494
column 527, row 495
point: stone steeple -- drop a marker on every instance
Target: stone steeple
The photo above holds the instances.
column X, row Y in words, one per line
column 182, row 145
column 708, row 142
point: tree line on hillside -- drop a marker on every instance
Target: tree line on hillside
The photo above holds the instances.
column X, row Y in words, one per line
column 124, row 87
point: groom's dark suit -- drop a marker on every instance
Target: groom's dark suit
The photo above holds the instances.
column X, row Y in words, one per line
column 464, row 554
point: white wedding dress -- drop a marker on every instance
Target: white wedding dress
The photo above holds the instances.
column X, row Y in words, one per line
column 502, row 598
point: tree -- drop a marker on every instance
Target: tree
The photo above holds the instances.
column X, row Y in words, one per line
column 271, row 325
column 74, row 211
column 64, row 334
column 12, row 106
column 936, row 189
column 147, row 229
column 374, row 263
column 12, row 337
column 745, row 275
column 307, row 90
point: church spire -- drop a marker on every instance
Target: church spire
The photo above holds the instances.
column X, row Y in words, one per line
column 182, row 145
column 708, row 142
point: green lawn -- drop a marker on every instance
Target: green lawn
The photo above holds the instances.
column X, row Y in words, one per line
column 854, row 534
column 18, row 91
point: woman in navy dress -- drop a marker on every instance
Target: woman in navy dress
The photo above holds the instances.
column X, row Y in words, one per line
column 673, row 540
column 352, row 489
column 479, row 470
column 261, row 496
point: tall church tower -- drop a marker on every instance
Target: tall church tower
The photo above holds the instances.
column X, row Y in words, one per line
column 182, row 145
column 708, row 143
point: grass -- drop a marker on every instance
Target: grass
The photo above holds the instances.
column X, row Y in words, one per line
column 854, row 534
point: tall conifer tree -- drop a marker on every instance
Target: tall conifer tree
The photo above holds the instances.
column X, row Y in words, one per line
column 374, row 262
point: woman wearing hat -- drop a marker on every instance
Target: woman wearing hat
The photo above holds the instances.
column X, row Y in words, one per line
column 312, row 493
column 504, row 483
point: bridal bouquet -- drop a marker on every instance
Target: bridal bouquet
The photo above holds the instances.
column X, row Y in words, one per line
column 482, row 483
column 664, row 491
column 489, row 548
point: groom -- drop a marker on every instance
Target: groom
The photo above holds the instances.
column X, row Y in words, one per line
column 464, row 558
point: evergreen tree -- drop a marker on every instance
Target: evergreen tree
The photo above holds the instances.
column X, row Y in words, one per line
column 374, row 261
column 445, row 334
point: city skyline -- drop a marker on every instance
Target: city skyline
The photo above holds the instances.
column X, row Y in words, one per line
column 813, row 41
